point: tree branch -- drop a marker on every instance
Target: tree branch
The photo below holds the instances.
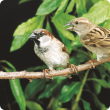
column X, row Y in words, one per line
column 64, row 72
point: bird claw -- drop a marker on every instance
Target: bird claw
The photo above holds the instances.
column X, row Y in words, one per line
column 92, row 63
column 30, row 80
column 67, row 76
column 73, row 66
column 47, row 71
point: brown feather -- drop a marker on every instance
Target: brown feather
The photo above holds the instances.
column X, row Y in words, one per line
column 97, row 38
column 48, row 33
column 64, row 49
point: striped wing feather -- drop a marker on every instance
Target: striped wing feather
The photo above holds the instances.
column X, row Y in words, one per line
column 98, row 37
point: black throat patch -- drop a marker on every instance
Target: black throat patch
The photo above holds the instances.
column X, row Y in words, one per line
column 37, row 42
column 42, row 50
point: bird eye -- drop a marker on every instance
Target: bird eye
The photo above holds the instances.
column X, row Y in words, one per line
column 41, row 33
column 76, row 22
column 35, row 33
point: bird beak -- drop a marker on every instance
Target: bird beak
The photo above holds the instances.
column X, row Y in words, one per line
column 69, row 24
column 70, row 28
column 32, row 36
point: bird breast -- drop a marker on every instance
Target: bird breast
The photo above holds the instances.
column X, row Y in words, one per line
column 52, row 56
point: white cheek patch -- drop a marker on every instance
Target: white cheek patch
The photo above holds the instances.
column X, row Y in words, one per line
column 44, row 41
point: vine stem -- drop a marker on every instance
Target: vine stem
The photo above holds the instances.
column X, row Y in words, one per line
column 80, row 91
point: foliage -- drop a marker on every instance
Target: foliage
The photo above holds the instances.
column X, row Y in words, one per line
column 15, row 86
column 61, row 91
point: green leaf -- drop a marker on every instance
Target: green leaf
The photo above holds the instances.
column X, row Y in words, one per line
column 95, row 1
column 68, row 91
column 24, row 30
column 29, row 26
column 52, row 88
column 59, row 24
column 33, row 105
column 36, row 68
column 70, row 6
column 89, row 4
column 19, row 41
column 61, row 9
column 23, row 1
column 105, row 109
column 80, row 7
column 9, row 64
column 103, row 12
column 86, row 105
column 76, row 43
column 101, row 82
column 64, row 19
column 62, row 32
column 103, row 70
column 80, row 57
column 94, row 56
column 107, row 65
column 62, row 35
column 54, row 104
column 7, row 69
column 107, row 24
column 96, row 101
column 96, row 85
column 48, row 91
column 34, row 87
column 109, row 80
column 48, row 27
column 18, row 93
column 48, row 6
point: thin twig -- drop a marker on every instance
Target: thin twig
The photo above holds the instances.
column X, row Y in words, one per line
column 64, row 72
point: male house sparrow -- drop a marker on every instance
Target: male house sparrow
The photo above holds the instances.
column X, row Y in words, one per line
column 95, row 38
column 50, row 50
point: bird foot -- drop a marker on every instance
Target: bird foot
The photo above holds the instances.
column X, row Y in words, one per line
column 67, row 76
column 92, row 62
column 73, row 66
column 47, row 71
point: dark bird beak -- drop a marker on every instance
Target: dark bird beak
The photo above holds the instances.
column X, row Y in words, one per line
column 32, row 36
column 69, row 24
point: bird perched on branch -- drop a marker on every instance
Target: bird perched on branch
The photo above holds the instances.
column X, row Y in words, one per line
column 95, row 38
column 50, row 50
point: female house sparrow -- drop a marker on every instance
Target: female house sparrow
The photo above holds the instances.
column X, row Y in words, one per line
column 50, row 50
column 95, row 38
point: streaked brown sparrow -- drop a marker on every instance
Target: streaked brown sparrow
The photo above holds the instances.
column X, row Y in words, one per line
column 95, row 38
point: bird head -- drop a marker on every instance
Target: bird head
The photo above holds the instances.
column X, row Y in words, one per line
column 41, row 37
column 80, row 25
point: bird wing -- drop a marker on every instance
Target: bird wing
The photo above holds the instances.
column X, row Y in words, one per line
column 97, row 37
column 63, row 47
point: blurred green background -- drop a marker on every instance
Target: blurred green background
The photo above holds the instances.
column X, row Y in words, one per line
column 89, row 90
